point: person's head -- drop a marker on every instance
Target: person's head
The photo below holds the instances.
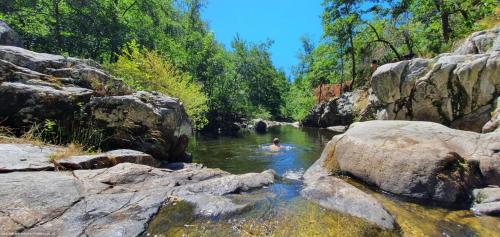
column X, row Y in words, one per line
column 276, row 141
column 373, row 65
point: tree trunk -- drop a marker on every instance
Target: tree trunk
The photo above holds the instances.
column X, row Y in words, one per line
column 114, row 41
column 408, row 42
column 320, row 92
column 445, row 20
column 57, row 27
column 353, row 58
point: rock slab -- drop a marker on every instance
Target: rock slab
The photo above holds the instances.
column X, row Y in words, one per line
column 117, row 201
column 335, row 194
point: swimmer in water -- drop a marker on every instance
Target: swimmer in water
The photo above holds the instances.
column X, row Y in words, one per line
column 276, row 145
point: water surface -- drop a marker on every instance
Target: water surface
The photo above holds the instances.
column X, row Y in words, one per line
column 280, row 211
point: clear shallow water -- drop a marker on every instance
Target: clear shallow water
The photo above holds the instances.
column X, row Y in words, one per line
column 280, row 211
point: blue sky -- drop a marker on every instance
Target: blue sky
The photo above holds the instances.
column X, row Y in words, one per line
column 283, row 21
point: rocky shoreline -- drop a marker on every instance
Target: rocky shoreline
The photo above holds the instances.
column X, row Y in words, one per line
column 117, row 201
column 119, row 191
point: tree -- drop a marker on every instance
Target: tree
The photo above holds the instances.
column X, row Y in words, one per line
column 340, row 20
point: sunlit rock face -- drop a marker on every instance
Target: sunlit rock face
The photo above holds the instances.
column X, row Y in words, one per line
column 335, row 194
column 456, row 89
column 116, row 201
column 421, row 160
column 36, row 87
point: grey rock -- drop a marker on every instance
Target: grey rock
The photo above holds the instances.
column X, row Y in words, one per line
column 78, row 94
column 9, row 36
column 144, row 121
column 486, row 201
column 260, row 126
column 335, row 194
column 480, row 42
column 494, row 123
column 474, row 121
column 456, row 90
column 336, row 111
column 25, row 157
column 117, row 201
column 432, row 161
column 108, row 159
column 337, row 129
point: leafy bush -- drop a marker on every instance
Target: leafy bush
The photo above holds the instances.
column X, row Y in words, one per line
column 298, row 101
column 143, row 69
column 259, row 112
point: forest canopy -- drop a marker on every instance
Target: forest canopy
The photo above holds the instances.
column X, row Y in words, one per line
column 164, row 45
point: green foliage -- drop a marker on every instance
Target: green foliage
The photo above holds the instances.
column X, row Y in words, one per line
column 179, row 54
column 299, row 100
column 143, row 69
column 61, row 133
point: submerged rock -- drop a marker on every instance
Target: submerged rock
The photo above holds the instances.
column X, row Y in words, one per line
column 117, row 201
column 487, row 201
column 79, row 95
column 335, row 194
column 420, row 160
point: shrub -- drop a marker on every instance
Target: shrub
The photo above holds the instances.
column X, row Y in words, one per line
column 143, row 69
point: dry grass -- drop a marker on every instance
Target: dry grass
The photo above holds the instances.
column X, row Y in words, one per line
column 491, row 21
column 360, row 104
column 7, row 135
column 71, row 150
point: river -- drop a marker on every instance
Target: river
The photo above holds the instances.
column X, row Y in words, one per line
column 279, row 210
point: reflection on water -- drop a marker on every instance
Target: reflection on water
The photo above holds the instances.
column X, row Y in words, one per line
column 246, row 153
column 280, row 211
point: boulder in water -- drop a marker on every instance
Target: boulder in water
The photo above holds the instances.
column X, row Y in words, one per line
column 260, row 126
column 421, row 160
column 335, row 194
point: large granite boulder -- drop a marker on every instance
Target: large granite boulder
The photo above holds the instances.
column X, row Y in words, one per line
column 144, row 121
column 78, row 95
column 421, row 160
column 336, row 111
column 118, row 201
column 457, row 89
column 480, row 42
column 9, row 36
column 335, row 194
